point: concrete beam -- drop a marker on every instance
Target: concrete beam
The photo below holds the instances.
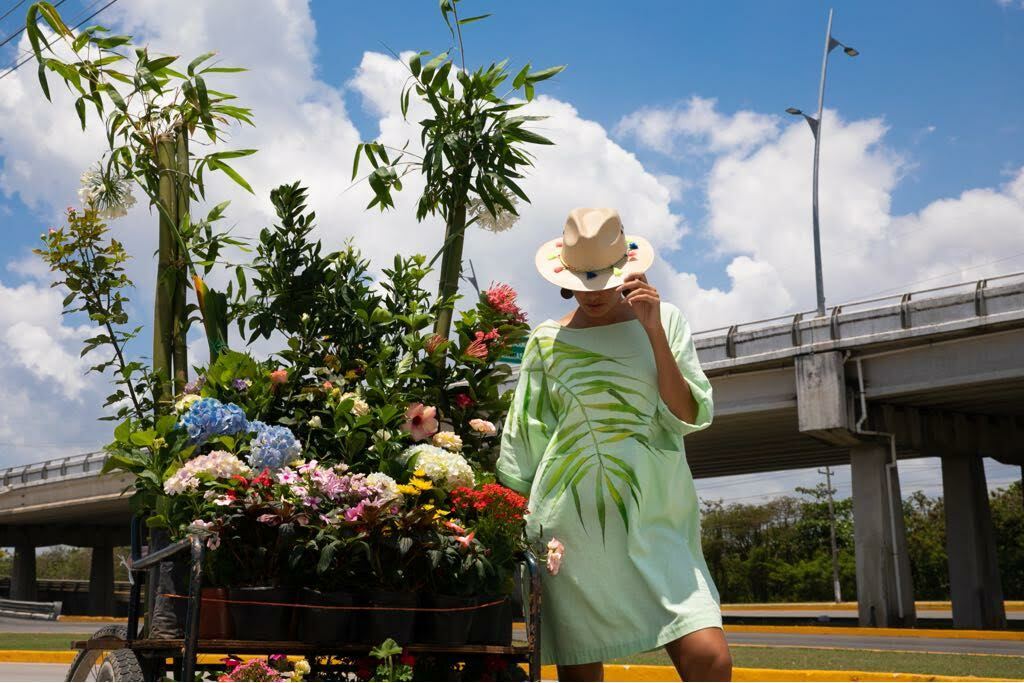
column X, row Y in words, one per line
column 885, row 590
column 938, row 433
column 42, row 535
column 23, row 573
column 823, row 405
column 101, row 582
column 975, row 585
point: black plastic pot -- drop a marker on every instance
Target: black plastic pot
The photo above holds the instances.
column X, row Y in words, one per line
column 325, row 625
column 492, row 625
column 450, row 625
column 252, row 620
column 396, row 620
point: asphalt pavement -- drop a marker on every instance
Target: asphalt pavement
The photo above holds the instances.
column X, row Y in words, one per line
column 10, row 671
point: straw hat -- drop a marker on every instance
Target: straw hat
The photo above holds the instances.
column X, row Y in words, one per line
column 594, row 252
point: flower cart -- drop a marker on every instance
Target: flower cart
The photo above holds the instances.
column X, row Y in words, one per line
column 118, row 653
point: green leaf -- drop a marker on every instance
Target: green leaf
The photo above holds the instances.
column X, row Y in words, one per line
column 617, row 499
column 42, row 80
column 520, row 78
column 544, row 74
column 231, row 173
column 470, row 20
column 599, row 499
column 197, row 61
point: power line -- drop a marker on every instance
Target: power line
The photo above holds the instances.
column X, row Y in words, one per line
column 27, row 59
column 13, row 7
column 20, row 30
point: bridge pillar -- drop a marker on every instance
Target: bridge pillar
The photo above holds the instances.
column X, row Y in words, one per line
column 974, row 582
column 23, row 574
column 101, row 582
column 885, row 591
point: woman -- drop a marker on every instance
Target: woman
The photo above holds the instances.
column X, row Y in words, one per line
column 594, row 437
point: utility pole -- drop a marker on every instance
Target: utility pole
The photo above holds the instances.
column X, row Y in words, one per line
column 832, row 534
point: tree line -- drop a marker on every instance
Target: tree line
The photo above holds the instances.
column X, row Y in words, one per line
column 779, row 551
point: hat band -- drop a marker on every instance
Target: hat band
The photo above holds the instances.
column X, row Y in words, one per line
column 615, row 267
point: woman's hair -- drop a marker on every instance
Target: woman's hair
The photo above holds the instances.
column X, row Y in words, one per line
column 566, row 293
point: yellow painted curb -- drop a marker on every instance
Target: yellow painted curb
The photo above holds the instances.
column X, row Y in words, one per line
column 960, row 634
column 846, row 606
column 650, row 672
column 38, row 656
column 84, row 619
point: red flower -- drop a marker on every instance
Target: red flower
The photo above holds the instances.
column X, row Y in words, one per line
column 407, row 659
column 463, row 400
column 502, row 298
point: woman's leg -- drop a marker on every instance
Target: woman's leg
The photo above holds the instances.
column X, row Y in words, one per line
column 702, row 656
column 581, row 672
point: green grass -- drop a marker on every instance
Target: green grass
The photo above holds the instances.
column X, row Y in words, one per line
column 762, row 657
column 39, row 641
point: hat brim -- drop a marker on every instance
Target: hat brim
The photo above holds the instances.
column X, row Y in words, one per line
column 547, row 261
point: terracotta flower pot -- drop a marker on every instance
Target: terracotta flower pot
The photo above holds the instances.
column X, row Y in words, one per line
column 214, row 617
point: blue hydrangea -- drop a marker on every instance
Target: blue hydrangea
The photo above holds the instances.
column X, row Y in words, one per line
column 273, row 447
column 208, row 417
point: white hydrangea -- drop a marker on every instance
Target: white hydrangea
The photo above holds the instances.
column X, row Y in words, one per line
column 446, row 469
column 386, row 484
column 488, row 221
column 218, row 464
column 450, row 441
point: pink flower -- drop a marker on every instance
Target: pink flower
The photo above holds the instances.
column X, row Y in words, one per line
column 483, row 426
column 268, row 518
column 555, row 552
column 502, row 298
column 421, row 421
column 432, row 342
column 464, row 541
column 452, row 526
column 477, row 349
column 279, row 376
column 328, row 386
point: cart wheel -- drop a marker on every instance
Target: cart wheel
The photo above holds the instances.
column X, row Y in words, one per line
column 111, row 665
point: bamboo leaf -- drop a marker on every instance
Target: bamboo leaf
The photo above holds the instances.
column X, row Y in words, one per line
column 470, row 20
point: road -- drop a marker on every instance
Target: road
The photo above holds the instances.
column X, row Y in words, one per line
column 32, row 672
column 871, row 642
column 825, row 614
column 15, row 625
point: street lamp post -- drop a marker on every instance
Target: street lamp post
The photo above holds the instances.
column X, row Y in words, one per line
column 815, row 123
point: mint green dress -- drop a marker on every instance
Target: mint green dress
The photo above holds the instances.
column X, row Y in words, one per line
column 600, row 455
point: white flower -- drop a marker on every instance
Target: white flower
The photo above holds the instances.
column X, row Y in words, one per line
column 109, row 195
column 185, row 402
column 483, row 426
column 359, row 406
column 488, row 221
column 449, row 441
column 386, row 484
column 218, row 465
column 447, row 470
column 314, row 422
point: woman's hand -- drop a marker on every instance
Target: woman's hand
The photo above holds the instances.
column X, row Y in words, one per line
column 643, row 298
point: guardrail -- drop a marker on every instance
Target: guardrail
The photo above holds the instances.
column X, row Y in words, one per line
column 48, row 611
column 980, row 288
column 70, row 467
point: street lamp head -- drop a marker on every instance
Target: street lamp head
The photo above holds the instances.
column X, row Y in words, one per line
column 850, row 51
column 794, row 111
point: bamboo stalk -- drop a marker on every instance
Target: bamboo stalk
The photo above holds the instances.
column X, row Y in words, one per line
column 163, row 306
column 179, row 327
column 451, row 266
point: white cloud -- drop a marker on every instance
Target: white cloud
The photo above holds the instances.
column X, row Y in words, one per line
column 699, row 125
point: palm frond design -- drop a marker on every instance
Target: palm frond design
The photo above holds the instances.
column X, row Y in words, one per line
column 607, row 405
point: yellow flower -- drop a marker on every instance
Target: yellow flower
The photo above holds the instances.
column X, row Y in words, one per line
column 407, row 490
column 428, row 507
column 419, row 473
column 422, row 484
column 440, row 514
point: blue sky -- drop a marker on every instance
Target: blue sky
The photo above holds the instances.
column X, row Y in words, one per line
column 671, row 111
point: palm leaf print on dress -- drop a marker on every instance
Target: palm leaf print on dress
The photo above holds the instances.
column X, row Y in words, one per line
column 605, row 397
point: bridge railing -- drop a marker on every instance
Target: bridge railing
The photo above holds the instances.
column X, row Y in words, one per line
column 70, row 467
column 798, row 323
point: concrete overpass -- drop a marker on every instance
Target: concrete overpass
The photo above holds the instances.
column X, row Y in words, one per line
column 938, row 373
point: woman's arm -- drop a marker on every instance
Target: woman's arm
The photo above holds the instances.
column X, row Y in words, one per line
column 646, row 304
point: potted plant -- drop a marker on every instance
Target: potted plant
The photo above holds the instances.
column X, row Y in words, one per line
column 495, row 514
